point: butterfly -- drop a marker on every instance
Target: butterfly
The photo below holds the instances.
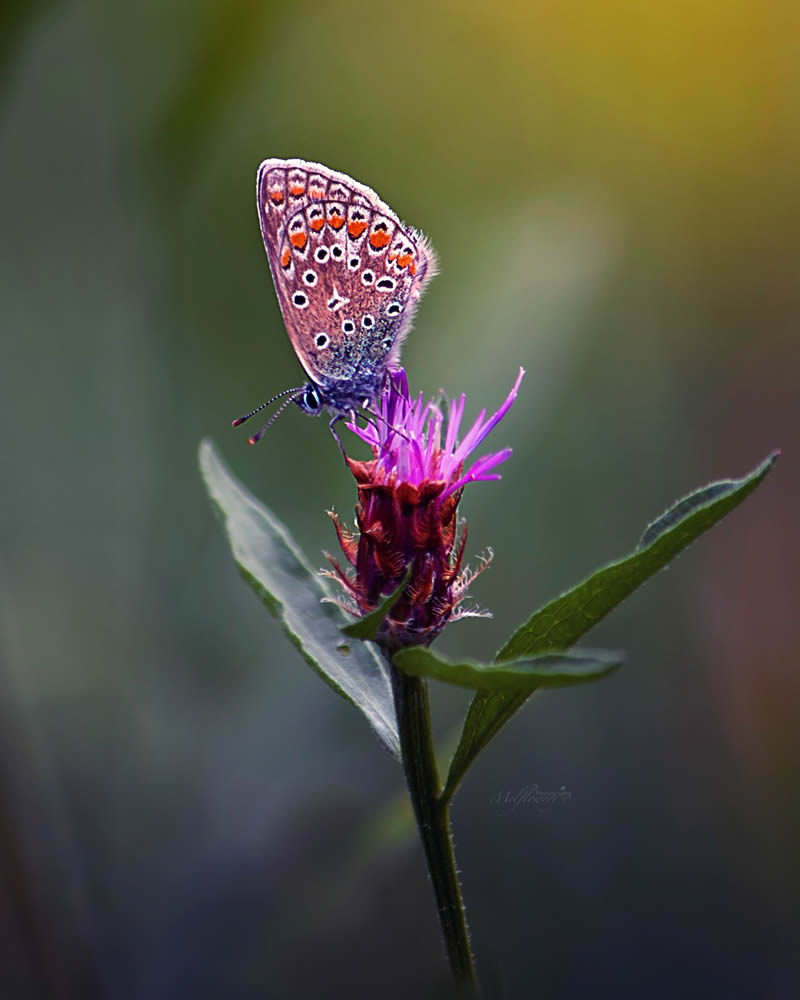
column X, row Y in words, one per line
column 348, row 275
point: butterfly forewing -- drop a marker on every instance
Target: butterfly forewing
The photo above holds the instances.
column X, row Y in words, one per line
column 347, row 272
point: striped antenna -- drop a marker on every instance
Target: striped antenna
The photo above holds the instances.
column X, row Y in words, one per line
column 255, row 438
column 292, row 393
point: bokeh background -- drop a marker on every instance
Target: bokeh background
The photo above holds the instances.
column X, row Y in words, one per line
column 185, row 809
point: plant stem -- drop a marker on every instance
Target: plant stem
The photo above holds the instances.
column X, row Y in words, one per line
column 433, row 819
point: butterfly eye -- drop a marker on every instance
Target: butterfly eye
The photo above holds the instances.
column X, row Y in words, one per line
column 368, row 322
column 368, row 277
column 300, row 299
column 348, row 326
column 310, row 277
column 322, row 340
column 310, row 400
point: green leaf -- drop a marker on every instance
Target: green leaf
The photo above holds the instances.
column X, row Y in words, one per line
column 562, row 622
column 369, row 626
column 272, row 564
column 682, row 508
column 522, row 675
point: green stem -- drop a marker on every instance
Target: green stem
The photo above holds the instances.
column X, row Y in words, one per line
column 433, row 819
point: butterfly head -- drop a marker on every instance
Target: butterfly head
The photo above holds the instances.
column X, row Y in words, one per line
column 312, row 399
column 340, row 398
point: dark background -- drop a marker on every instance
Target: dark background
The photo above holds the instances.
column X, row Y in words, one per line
column 185, row 809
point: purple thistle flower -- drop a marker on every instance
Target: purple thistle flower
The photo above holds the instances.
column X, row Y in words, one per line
column 408, row 496
column 406, row 438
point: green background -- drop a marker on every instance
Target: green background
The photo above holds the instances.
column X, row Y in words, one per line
column 612, row 188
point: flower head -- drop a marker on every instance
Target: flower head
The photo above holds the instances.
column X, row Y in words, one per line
column 408, row 496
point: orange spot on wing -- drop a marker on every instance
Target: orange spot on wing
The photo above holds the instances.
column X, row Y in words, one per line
column 286, row 257
column 276, row 196
column 297, row 189
column 317, row 193
column 394, row 255
column 298, row 240
column 356, row 228
column 379, row 239
column 317, row 224
column 412, row 268
column 336, row 220
column 404, row 260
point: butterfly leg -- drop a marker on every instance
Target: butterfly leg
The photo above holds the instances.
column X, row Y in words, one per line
column 332, row 425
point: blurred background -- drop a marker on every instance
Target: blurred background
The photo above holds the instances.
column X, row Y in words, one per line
column 185, row 809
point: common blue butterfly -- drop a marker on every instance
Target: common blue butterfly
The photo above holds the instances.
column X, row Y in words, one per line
column 348, row 275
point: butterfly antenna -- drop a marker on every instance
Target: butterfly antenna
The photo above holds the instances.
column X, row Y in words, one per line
column 255, row 438
column 258, row 409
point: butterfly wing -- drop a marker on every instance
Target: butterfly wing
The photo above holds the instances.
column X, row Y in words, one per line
column 348, row 274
